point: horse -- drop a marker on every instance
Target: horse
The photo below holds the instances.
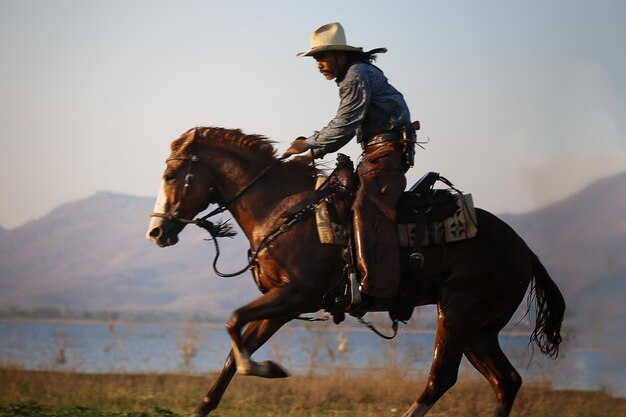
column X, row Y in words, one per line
column 476, row 284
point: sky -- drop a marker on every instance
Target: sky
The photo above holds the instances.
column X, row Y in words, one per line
column 523, row 103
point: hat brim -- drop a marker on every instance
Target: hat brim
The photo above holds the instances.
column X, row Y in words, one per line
column 324, row 48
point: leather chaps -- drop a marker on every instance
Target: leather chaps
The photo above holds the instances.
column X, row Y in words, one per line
column 381, row 183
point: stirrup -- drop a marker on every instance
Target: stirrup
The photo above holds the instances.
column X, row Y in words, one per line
column 355, row 293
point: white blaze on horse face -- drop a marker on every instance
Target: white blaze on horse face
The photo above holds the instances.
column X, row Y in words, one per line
column 159, row 207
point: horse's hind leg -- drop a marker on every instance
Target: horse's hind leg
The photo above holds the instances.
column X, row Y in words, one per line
column 255, row 335
column 485, row 354
column 450, row 342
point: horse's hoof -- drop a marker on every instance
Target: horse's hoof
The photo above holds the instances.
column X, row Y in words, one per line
column 200, row 412
column 269, row 369
column 204, row 409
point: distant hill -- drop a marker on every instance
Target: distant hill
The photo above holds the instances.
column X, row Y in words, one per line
column 92, row 254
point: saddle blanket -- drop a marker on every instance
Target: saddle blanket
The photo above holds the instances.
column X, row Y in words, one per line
column 459, row 226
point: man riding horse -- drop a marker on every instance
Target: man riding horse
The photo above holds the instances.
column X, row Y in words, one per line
column 374, row 111
column 477, row 284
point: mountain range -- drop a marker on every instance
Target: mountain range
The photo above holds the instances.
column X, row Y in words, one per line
column 91, row 254
column 582, row 242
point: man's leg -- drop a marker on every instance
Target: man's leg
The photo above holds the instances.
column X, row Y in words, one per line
column 376, row 235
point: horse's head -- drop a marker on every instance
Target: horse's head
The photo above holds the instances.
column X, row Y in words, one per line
column 215, row 165
column 184, row 192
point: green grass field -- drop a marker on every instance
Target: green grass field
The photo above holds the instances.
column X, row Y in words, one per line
column 57, row 394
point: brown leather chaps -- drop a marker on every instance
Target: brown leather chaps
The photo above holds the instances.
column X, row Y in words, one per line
column 381, row 183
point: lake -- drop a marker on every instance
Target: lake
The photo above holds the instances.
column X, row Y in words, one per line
column 301, row 348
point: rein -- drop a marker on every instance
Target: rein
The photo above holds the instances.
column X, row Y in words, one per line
column 267, row 239
column 223, row 206
column 265, row 242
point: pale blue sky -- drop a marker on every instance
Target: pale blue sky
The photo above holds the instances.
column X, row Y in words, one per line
column 524, row 102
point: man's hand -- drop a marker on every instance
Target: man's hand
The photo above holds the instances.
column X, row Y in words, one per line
column 305, row 158
column 296, row 147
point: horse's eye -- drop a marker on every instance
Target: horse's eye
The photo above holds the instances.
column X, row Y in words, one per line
column 169, row 177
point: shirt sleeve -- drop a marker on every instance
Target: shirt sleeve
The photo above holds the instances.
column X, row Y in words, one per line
column 355, row 96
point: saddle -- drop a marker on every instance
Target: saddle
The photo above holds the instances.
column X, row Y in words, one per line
column 425, row 215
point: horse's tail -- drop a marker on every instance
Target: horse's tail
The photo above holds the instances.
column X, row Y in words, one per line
column 550, row 309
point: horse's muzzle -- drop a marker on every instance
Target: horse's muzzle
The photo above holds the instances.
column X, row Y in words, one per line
column 164, row 233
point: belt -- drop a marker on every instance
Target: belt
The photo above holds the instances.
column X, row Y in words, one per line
column 382, row 137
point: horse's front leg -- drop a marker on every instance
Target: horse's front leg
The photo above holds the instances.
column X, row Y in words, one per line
column 255, row 335
column 279, row 302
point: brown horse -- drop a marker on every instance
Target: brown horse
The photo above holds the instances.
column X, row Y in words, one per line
column 477, row 284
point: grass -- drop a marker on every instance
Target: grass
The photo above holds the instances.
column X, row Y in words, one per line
column 59, row 394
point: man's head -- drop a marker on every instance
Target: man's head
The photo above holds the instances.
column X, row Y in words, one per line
column 331, row 63
column 331, row 51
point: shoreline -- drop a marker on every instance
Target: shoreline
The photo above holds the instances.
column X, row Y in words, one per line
column 208, row 325
column 343, row 327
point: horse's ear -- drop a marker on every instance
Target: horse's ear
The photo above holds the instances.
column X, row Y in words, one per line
column 185, row 140
column 192, row 134
column 191, row 137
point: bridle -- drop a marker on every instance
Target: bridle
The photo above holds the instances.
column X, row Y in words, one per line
column 221, row 229
column 222, row 206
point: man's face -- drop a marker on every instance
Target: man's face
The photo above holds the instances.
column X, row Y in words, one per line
column 329, row 63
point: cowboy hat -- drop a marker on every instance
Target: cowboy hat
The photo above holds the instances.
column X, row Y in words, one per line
column 329, row 37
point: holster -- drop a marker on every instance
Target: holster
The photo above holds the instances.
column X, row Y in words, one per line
column 409, row 139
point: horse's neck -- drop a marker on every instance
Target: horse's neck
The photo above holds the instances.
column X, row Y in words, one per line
column 258, row 210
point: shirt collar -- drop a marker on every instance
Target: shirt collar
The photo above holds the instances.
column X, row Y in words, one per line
column 342, row 74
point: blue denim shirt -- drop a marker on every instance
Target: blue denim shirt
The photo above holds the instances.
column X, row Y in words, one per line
column 369, row 105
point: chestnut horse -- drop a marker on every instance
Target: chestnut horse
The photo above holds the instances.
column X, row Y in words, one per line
column 477, row 284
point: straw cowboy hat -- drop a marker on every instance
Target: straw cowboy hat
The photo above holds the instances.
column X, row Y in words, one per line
column 330, row 37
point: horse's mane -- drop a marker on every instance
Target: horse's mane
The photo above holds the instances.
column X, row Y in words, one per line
column 257, row 144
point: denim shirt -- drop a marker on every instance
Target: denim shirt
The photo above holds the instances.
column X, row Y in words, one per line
column 369, row 105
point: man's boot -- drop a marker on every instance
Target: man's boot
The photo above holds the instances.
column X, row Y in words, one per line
column 377, row 259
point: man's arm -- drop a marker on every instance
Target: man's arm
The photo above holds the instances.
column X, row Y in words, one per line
column 355, row 97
